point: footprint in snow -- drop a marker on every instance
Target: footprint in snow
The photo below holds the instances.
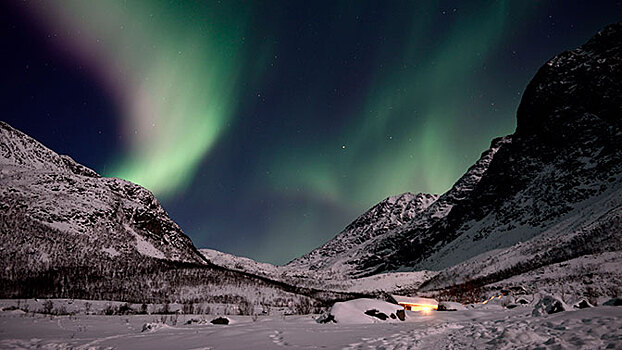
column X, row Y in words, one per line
column 277, row 338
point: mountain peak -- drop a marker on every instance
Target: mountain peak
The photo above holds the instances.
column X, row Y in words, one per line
column 575, row 83
column 19, row 149
column 391, row 213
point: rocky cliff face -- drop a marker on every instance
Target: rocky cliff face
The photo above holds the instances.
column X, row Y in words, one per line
column 562, row 166
column 555, row 192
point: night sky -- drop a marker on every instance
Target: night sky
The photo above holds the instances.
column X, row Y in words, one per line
column 265, row 127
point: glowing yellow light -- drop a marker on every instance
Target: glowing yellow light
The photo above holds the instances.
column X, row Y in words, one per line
column 491, row 298
column 426, row 308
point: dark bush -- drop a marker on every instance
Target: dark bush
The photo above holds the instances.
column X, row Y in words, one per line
column 325, row 318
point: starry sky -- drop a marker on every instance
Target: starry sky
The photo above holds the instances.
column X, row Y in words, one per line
column 265, row 127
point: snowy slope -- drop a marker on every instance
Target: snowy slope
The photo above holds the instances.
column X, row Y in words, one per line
column 106, row 215
column 593, row 227
column 555, row 179
column 240, row 263
column 594, row 277
column 327, row 280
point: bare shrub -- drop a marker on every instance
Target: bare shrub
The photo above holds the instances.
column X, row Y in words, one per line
column 187, row 308
column 125, row 309
column 246, row 308
column 48, row 305
column 110, row 310
column 61, row 310
column 465, row 293
column 165, row 310
column 302, row 307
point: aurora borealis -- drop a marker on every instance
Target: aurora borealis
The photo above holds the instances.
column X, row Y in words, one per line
column 176, row 88
column 266, row 127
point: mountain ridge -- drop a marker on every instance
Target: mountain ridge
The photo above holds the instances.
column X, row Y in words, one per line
column 567, row 149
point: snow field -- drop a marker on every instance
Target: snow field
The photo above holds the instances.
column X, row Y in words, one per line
column 481, row 328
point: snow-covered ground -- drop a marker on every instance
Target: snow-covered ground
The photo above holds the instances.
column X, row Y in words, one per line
column 596, row 276
column 485, row 327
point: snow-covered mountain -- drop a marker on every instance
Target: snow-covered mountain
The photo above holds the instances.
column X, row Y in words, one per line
column 384, row 232
column 374, row 225
column 68, row 232
column 104, row 216
column 550, row 191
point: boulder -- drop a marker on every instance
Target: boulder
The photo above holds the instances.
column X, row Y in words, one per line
column 377, row 314
column 194, row 320
column 220, row 320
column 326, row 318
column 401, row 315
column 613, row 302
column 582, row 304
column 549, row 305
column 148, row 327
column 364, row 310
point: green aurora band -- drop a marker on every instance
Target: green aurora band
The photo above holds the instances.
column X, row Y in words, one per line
column 422, row 124
column 178, row 72
column 175, row 68
column 403, row 137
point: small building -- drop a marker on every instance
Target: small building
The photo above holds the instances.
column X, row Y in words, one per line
column 416, row 303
